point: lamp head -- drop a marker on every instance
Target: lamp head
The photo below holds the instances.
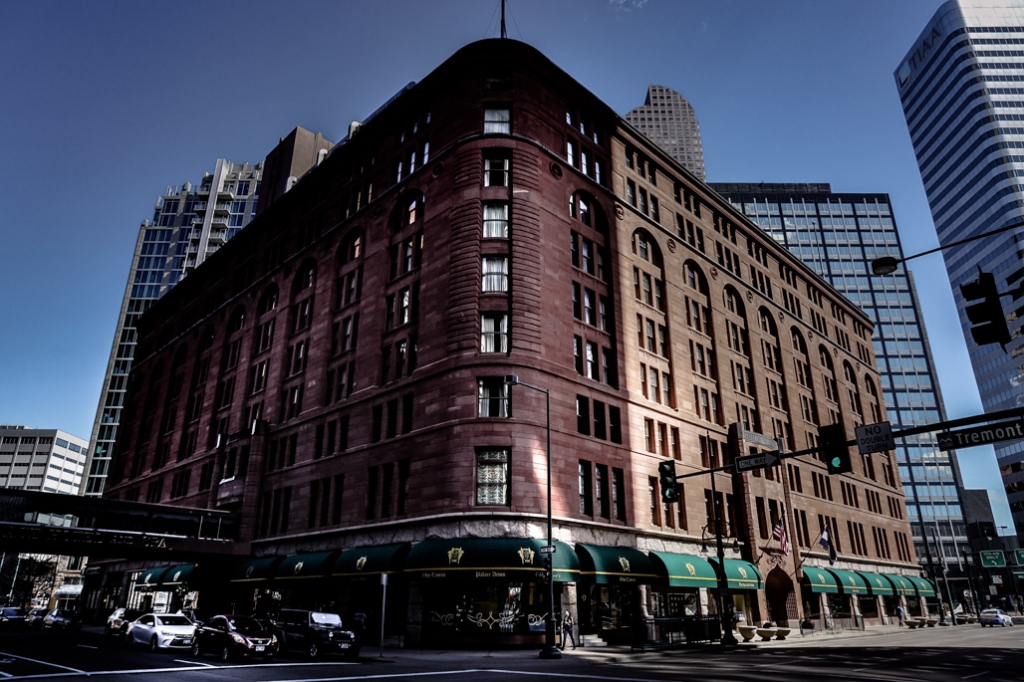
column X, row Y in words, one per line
column 886, row 265
column 511, row 379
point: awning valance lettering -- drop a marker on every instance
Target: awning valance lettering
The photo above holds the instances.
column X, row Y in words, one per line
column 612, row 565
column 361, row 562
column 849, row 582
column 684, row 570
column 741, row 575
column 490, row 558
column 819, row 580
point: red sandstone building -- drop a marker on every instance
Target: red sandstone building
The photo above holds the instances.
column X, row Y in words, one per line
column 334, row 375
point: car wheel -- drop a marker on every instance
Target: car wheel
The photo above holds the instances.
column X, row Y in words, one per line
column 313, row 650
column 225, row 653
column 154, row 645
column 196, row 651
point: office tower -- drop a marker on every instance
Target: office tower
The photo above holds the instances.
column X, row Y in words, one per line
column 960, row 87
column 48, row 460
column 669, row 121
column 838, row 235
column 337, row 379
column 189, row 223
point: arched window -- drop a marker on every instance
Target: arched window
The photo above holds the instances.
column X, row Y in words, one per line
column 646, row 247
column 268, row 301
column 408, row 210
column 305, row 278
column 348, row 282
column 237, row 321
column 351, row 247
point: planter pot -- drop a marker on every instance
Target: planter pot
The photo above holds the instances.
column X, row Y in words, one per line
column 766, row 633
column 747, row 631
column 782, row 633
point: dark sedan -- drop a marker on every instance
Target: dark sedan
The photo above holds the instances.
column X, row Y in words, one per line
column 12, row 618
column 232, row 637
column 62, row 619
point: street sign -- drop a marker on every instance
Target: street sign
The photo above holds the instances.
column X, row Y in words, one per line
column 1018, row 554
column 547, row 549
column 992, row 558
column 765, row 459
column 875, row 438
column 982, row 435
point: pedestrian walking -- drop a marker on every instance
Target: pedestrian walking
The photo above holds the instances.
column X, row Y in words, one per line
column 567, row 624
column 899, row 614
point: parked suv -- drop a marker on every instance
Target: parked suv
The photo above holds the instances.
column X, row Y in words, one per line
column 232, row 637
column 315, row 633
column 62, row 619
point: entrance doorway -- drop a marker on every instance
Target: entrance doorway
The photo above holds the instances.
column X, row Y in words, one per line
column 781, row 597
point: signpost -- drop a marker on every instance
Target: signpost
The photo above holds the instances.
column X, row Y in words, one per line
column 982, row 435
column 765, row 459
column 992, row 558
column 875, row 438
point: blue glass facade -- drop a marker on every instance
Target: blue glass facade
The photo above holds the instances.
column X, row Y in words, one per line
column 838, row 235
column 962, row 90
column 188, row 225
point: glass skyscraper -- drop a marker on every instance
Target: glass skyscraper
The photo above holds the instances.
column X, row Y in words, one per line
column 962, row 90
column 189, row 224
column 838, row 235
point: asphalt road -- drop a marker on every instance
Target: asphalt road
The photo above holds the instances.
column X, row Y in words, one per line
column 933, row 655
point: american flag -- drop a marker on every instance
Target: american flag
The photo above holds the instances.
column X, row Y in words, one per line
column 779, row 533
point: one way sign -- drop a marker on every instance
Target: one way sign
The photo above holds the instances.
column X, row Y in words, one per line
column 765, row 459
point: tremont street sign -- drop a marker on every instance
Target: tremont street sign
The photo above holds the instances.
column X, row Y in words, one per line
column 981, row 435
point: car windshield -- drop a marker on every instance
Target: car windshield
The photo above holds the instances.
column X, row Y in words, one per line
column 326, row 618
column 173, row 619
column 247, row 626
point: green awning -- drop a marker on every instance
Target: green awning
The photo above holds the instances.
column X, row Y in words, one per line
column 151, row 577
column 610, row 565
column 820, row 580
column 741, row 575
column 924, row 587
column 313, row 565
column 177, row 575
column 684, row 570
column 849, row 582
column 901, row 584
column 878, row 583
column 490, row 558
column 362, row 562
column 255, row 570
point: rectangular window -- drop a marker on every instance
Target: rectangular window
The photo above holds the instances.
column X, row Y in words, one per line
column 586, row 485
column 493, row 397
column 497, row 121
column 496, row 171
column 492, row 476
column 601, row 490
column 494, row 333
column 600, row 424
column 619, row 493
column 495, row 274
column 496, row 220
column 583, row 415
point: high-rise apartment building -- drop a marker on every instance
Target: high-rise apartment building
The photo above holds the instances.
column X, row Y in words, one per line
column 960, row 86
column 336, row 376
column 668, row 120
column 838, row 235
column 48, row 460
column 189, row 223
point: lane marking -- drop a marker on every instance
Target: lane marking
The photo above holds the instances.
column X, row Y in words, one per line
column 983, row 672
column 86, row 646
column 52, row 665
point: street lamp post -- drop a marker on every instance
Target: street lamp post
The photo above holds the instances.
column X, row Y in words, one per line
column 886, row 265
column 724, row 596
column 969, row 562
column 935, row 577
column 549, row 650
column 945, row 580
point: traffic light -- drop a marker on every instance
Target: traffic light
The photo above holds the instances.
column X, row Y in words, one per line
column 833, row 444
column 984, row 310
column 669, row 487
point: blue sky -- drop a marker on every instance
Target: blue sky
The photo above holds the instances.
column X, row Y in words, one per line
column 110, row 101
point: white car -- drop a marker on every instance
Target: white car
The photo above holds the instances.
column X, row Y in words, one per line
column 995, row 617
column 161, row 631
